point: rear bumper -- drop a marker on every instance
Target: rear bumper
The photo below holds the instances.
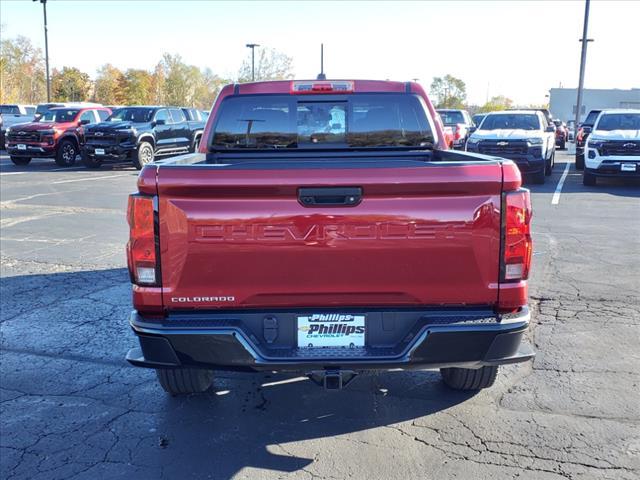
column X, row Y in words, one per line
column 440, row 339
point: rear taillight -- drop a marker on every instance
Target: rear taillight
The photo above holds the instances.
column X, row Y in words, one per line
column 458, row 131
column 517, row 244
column 141, row 249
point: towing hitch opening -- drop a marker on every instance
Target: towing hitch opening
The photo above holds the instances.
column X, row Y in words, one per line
column 332, row 379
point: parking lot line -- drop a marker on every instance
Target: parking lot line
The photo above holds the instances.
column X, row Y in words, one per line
column 91, row 178
column 52, row 170
column 556, row 195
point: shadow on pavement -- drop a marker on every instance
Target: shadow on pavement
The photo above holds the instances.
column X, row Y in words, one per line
column 262, row 420
column 276, row 427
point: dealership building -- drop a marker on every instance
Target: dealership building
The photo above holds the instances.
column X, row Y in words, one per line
column 562, row 101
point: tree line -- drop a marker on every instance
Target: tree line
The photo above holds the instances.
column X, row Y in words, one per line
column 171, row 82
column 451, row 92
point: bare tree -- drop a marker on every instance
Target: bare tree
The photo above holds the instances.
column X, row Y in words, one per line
column 270, row 65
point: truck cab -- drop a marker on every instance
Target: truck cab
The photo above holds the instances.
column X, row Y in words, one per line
column 523, row 136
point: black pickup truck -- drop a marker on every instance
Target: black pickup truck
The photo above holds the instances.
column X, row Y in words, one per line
column 142, row 133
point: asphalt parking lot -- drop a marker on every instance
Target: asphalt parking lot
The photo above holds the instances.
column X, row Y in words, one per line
column 72, row 408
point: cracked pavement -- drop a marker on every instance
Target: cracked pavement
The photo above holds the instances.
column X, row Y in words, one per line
column 71, row 408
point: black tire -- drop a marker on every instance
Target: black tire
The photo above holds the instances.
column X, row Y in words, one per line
column 579, row 162
column 548, row 168
column 539, row 177
column 563, row 145
column 469, row 378
column 20, row 160
column 589, row 179
column 143, row 156
column 183, row 381
column 91, row 162
column 196, row 144
column 67, row 153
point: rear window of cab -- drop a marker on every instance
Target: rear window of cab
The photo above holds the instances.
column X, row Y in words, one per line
column 262, row 122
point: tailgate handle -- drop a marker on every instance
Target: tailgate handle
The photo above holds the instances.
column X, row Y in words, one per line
column 330, row 196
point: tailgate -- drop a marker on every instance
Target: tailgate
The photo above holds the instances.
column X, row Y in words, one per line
column 233, row 238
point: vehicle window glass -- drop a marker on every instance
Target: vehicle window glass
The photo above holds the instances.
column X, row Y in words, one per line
column 103, row 115
column 619, row 121
column 132, row 114
column 177, row 115
column 363, row 121
column 591, row 118
column 88, row 115
column 511, row 122
column 163, row 115
column 60, row 115
column 451, row 118
column 9, row 109
column 30, row 110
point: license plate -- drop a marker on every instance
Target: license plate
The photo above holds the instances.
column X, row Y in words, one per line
column 99, row 151
column 628, row 167
column 22, row 146
column 331, row 330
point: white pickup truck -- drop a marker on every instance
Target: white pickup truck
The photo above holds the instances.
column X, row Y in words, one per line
column 613, row 148
column 524, row 136
column 13, row 114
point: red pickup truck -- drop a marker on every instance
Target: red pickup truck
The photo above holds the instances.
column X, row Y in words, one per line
column 57, row 134
column 325, row 228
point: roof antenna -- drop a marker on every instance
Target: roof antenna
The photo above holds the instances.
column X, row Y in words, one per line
column 321, row 75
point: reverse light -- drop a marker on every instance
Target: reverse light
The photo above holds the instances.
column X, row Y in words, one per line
column 315, row 86
column 517, row 244
column 141, row 249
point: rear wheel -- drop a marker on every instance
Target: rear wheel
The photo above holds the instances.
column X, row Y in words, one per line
column 196, row 144
column 143, row 156
column 563, row 144
column 20, row 160
column 589, row 179
column 182, row 381
column 579, row 162
column 549, row 166
column 67, row 152
column 469, row 378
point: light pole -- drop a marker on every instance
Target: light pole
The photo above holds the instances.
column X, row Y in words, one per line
column 253, row 46
column 46, row 46
column 583, row 61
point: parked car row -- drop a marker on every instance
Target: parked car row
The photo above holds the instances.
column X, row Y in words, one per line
column 98, row 134
column 607, row 142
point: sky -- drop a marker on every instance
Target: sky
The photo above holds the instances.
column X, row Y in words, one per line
column 519, row 49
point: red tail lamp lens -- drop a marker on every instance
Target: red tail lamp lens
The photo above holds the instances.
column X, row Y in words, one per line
column 141, row 249
column 517, row 236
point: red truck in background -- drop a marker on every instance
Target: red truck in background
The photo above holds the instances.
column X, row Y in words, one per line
column 325, row 228
column 57, row 134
